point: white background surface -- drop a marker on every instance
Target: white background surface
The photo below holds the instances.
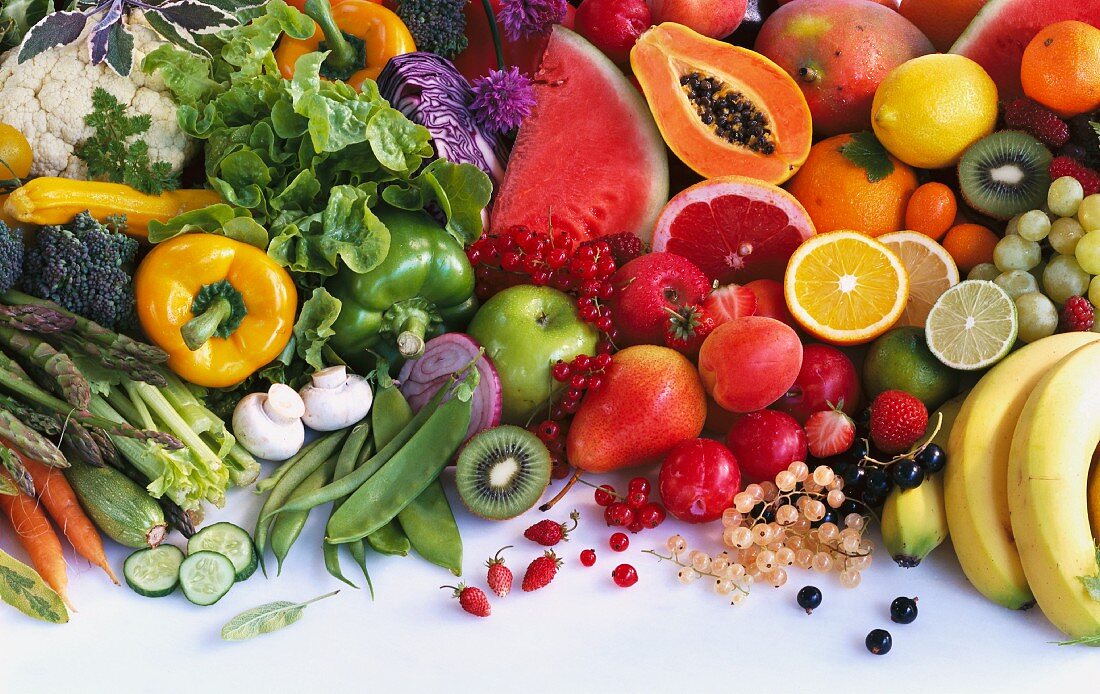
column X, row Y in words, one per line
column 580, row 634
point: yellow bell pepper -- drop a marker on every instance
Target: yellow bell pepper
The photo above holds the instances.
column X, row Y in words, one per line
column 222, row 309
column 361, row 37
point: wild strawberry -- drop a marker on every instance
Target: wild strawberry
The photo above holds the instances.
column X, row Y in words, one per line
column 499, row 577
column 1078, row 314
column 1065, row 166
column 471, row 599
column 729, row 302
column 688, row 326
column 829, row 432
column 549, row 533
column 898, row 420
column 1038, row 120
column 625, row 246
column 541, row 571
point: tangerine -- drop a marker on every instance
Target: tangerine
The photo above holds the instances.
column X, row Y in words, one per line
column 970, row 245
column 1061, row 68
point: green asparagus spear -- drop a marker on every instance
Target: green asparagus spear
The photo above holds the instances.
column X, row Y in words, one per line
column 10, row 461
column 30, row 442
column 58, row 365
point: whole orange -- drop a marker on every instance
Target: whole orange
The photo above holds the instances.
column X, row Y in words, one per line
column 970, row 245
column 839, row 194
column 1061, row 68
column 652, row 399
column 942, row 21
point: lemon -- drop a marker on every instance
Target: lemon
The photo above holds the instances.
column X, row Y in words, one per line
column 929, row 109
column 15, row 153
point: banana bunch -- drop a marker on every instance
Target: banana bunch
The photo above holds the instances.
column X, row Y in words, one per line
column 1016, row 486
column 914, row 521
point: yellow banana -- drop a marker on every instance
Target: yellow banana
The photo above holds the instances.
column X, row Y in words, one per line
column 1048, row 473
column 914, row 521
column 976, row 477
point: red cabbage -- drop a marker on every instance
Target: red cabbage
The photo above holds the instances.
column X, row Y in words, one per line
column 421, row 378
column 430, row 91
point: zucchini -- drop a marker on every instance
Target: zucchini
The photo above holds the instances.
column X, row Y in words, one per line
column 206, row 577
column 230, row 540
column 154, row 571
column 123, row 510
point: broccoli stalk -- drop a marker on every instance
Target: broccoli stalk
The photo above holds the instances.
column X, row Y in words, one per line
column 437, row 26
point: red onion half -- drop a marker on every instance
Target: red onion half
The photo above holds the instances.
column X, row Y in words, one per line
column 421, row 378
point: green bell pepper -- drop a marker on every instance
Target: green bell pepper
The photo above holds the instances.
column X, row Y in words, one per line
column 423, row 288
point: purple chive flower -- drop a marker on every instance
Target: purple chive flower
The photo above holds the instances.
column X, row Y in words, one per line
column 502, row 99
column 526, row 18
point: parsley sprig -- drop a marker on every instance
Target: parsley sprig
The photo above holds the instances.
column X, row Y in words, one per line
column 110, row 157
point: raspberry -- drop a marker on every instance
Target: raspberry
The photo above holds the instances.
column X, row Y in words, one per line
column 624, row 247
column 1038, row 120
column 1078, row 315
column 1088, row 178
column 898, row 420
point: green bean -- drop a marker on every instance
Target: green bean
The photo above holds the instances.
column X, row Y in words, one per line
column 388, row 421
column 319, row 451
column 404, row 476
column 349, row 483
column 271, row 480
column 288, row 526
column 345, row 463
column 430, row 526
column 358, row 551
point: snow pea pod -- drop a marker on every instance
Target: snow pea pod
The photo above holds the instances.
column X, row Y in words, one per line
column 430, row 526
column 406, row 474
column 388, row 421
column 358, row 551
column 345, row 463
column 288, row 526
column 268, row 483
column 390, row 539
column 349, row 483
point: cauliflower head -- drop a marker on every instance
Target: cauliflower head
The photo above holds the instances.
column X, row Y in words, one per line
column 47, row 97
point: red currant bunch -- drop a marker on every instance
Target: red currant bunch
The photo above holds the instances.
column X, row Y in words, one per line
column 582, row 374
column 552, row 433
column 634, row 510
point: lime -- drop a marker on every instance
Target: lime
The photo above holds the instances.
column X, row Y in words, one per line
column 900, row 360
column 972, row 326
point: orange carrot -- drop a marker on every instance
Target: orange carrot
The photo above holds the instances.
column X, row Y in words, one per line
column 60, row 500
column 37, row 537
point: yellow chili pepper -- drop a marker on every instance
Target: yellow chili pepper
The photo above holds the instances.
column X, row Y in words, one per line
column 361, row 37
column 222, row 309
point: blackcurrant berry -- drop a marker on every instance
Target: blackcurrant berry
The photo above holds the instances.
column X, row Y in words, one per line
column 903, row 610
column 879, row 641
column 857, row 451
column 878, row 482
column 809, row 598
column 907, row 474
column 854, row 478
column 932, row 458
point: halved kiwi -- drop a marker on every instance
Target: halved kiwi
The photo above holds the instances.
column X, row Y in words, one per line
column 502, row 472
column 1005, row 174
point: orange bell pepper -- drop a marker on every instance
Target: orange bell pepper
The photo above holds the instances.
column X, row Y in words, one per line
column 361, row 36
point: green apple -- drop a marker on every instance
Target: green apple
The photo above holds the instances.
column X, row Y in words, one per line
column 524, row 330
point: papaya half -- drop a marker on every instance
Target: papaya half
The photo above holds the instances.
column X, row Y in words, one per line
column 722, row 109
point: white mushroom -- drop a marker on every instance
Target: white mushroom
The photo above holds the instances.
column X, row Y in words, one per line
column 269, row 425
column 336, row 399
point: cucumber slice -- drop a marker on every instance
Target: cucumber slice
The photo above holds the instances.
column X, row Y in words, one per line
column 206, row 576
column 230, row 540
column 154, row 571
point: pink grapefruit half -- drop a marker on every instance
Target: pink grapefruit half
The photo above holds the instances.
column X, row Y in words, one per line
column 735, row 229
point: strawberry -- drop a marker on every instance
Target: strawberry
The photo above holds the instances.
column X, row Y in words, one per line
column 499, row 577
column 829, row 432
column 1078, row 314
column 541, row 571
column 898, row 420
column 688, row 326
column 472, row 599
column 729, row 302
column 549, row 533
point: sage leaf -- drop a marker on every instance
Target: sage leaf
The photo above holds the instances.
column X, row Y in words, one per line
column 22, row 588
column 267, row 618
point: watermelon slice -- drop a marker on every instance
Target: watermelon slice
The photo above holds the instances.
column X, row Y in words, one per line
column 589, row 160
column 735, row 229
column 1000, row 32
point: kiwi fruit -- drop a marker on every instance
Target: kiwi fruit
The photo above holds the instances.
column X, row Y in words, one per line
column 502, row 472
column 1005, row 174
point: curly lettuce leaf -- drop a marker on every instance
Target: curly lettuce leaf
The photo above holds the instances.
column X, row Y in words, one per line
column 221, row 219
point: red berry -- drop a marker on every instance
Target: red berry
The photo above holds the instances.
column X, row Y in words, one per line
column 1065, row 166
column 604, row 323
column 636, row 526
column 1044, row 124
column 549, row 431
column 578, row 382
column 605, row 495
column 499, row 576
column 541, row 571
column 618, row 513
column 640, row 485
column 1078, row 314
column 596, row 382
column 472, row 599
column 624, row 247
column 636, row 500
column 830, row 432
column 898, row 420
column 729, row 302
column 549, row 533
column 651, row 515
column 619, row 542
column 556, row 258
column 624, row 575
column 602, row 361
column 688, row 326
column 588, row 557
